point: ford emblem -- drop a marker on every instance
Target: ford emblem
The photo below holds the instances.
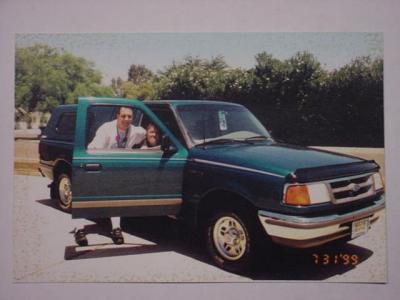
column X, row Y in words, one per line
column 354, row 187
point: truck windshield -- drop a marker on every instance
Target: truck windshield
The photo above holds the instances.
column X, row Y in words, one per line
column 212, row 122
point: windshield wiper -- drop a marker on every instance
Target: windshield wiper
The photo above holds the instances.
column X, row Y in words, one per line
column 223, row 141
column 258, row 137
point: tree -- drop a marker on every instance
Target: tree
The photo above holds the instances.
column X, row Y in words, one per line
column 46, row 77
column 87, row 90
column 238, row 85
column 354, row 103
column 289, row 93
column 116, row 85
column 194, row 78
column 145, row 91
column 139, row 74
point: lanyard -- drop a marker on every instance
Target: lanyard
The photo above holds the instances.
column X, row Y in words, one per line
column 121, row 144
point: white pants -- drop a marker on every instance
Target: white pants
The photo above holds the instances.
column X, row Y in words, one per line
column 115, row 222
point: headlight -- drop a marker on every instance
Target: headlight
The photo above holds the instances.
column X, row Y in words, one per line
column 378, row 183
column 306, row 194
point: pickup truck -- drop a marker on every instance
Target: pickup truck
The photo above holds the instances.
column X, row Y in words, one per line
column 217, row 169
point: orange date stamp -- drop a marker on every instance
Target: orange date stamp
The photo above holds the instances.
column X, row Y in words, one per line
column 345, row 259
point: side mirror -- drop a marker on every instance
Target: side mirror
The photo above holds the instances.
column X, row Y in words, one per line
column 166, row 145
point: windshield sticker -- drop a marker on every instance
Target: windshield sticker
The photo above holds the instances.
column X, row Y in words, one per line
column 222, row 120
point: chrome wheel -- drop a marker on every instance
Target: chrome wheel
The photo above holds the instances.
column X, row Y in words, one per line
column 65, row 191
column 229, row 238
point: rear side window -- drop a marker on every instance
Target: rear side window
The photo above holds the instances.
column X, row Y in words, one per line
column 66, row 124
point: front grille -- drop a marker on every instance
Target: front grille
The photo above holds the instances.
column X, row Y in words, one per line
column 352, row 189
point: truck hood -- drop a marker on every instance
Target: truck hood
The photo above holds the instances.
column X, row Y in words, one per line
column 275, row 158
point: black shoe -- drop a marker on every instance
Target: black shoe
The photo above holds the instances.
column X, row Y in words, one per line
column 116, row 235
column 80, row 237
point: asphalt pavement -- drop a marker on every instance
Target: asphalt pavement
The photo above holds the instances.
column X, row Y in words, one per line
column 162, row 250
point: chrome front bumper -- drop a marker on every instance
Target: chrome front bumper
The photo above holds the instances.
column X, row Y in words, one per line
column 301, row 232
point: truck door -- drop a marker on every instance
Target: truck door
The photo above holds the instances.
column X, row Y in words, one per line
column 135, row 181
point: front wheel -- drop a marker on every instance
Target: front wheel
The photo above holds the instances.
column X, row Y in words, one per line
column 230, row 241
column 64, row 188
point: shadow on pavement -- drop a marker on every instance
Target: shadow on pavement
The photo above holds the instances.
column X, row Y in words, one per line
column 167, row 234
column 317, row 263
column 109, row 250
column 51, row 203
column 101, row 227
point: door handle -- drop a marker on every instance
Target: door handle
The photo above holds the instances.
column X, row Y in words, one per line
column 92, row 167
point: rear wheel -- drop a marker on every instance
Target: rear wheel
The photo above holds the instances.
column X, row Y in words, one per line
column 230, row 241
column 64, row 189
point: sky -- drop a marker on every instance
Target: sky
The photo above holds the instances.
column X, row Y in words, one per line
column 113, row 53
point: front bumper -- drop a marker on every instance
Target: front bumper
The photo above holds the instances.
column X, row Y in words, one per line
column 301, row 232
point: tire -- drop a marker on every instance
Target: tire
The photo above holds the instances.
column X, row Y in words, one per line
column 63, row 189
column 230, row 241
column 54, row 191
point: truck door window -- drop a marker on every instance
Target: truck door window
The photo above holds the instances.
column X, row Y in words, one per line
column 103, row 133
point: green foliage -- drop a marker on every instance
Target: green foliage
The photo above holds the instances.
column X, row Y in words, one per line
column 195, row 78
column 238, row 85
column 354, row 103
column 144, row 91
column 141, row 84
column 286, row 95
column 116, row 85
column 296, row 99
column 88, row 89
column 139, row 74
column 46, row 77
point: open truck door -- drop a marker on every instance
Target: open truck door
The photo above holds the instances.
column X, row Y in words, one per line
column 120, row 181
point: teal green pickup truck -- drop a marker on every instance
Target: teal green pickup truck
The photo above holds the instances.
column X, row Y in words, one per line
column 216, row 168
